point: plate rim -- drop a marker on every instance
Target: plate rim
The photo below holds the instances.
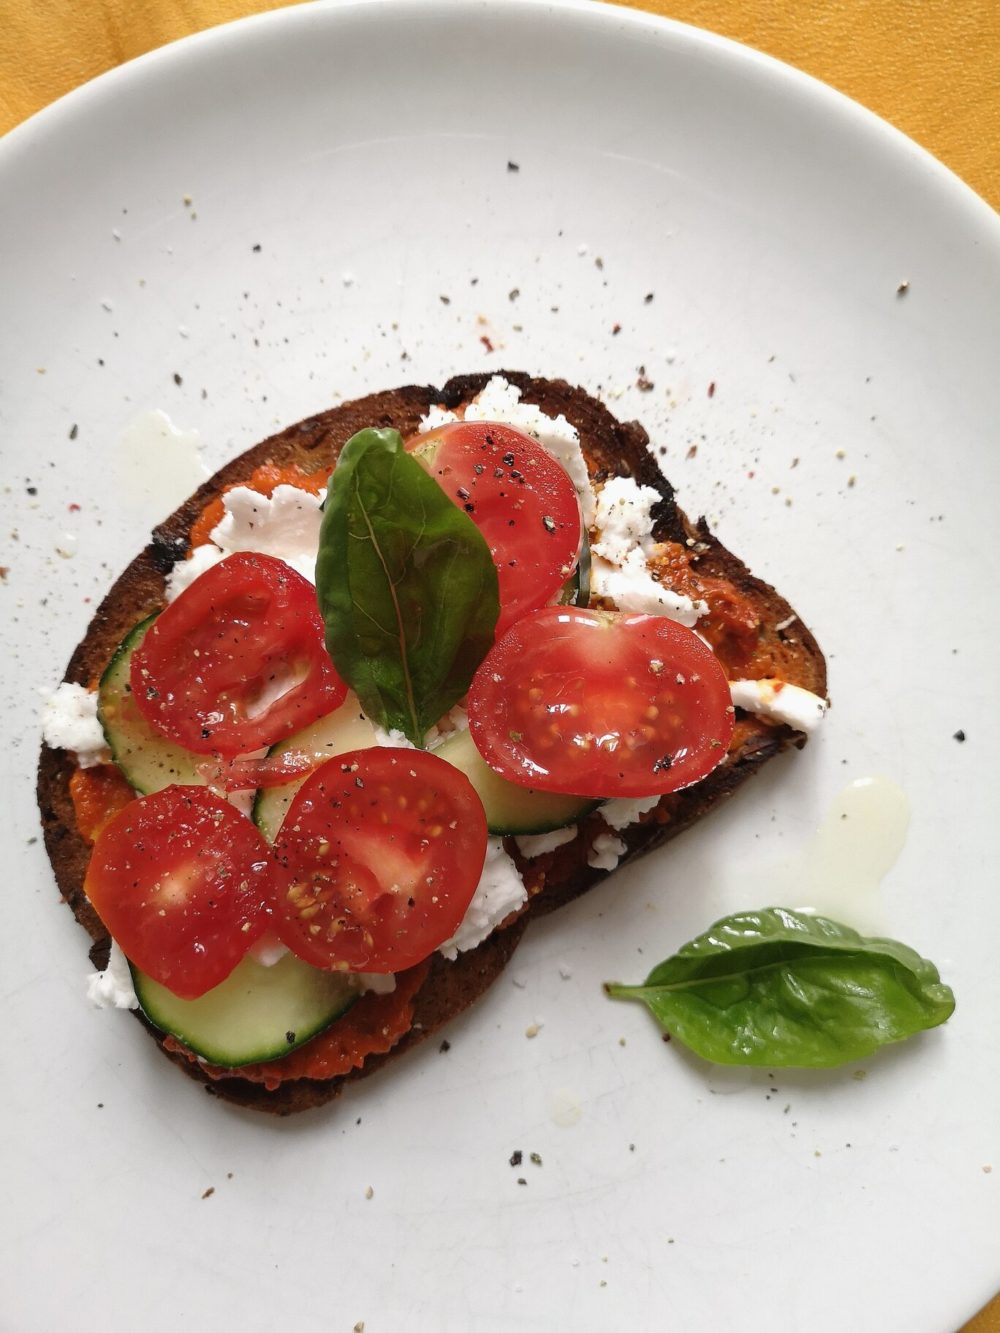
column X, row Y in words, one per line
column 208, row 42
column 853, row 118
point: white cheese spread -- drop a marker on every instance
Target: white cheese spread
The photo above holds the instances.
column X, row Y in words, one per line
column 618, row 814
column 622, row 548
column 606, row 852
column 779, row 702
column 382, row 983
column 632, row 588
column 392, row 740
column 531, row 845
column 186, row 571
column 500, row 892
column 112, row 988
column 624, row 518
column 69, row 722
column 268, row 950
column 285, row 525
column 626, row 810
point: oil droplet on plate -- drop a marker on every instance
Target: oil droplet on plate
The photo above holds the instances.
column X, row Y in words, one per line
column 155, row 467
column 839, row 872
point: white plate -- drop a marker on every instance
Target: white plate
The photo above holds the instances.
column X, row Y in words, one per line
column 365, row 149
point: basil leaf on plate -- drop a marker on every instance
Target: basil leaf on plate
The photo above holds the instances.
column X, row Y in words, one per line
column 406, row 586
column 784, row 989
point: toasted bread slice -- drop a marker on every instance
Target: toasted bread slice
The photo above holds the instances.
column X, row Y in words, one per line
column 611, row 448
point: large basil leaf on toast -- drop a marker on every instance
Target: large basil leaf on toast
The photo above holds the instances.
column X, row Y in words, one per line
column 406, row 586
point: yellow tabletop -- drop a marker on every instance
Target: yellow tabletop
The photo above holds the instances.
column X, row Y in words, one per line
column 929, row 67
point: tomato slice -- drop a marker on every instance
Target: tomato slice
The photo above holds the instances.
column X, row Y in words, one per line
column 599, row 703
column 382, row 850
column 519, row 497
column 181, row 880
column 238, row 661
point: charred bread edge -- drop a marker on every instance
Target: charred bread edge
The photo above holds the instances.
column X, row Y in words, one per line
column 611, row 448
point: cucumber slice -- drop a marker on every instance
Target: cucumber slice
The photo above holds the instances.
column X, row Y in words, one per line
column 583, row 572
column 510, row 808
column 576, row 590
column 346, row 728
column 148, row 760
column 257, row 1013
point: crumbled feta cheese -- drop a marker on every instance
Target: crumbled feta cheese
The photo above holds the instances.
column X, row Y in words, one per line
column 268, row 950
column 624, row 519
column 500, row 892
column 456, row 719
column 69, row 722
column 382, row 983
column 780, row 702
column 632, row 588
column 392, row 740
column 625, row 810
column 285, row 525
column 501, row 401
column 436, row 417
column 112, row 988
column 619, row 568
column 606, row 852
column 531, row 845
column 186, row 571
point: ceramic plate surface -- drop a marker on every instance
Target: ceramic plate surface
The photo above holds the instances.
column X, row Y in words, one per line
column 247, row 227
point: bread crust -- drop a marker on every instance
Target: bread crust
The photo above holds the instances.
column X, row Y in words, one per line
column 611, row 448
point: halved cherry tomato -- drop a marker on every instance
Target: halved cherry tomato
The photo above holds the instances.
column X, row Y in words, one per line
column 519, row 497
column 181, row 880
column 598, row 703
column 238, row 660
column 382, row 851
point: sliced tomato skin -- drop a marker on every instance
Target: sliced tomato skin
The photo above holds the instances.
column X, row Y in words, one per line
column 249, row 774
column 601, row 703
column 202, row 673
column 519, row 497
column 381, row 852
column 182, row 881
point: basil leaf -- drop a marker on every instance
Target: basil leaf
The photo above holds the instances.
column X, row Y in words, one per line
column 406, row 586
column 783, row 989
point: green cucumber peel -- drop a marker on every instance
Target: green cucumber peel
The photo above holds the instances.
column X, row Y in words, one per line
column 406, row 586
column 783, row 989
